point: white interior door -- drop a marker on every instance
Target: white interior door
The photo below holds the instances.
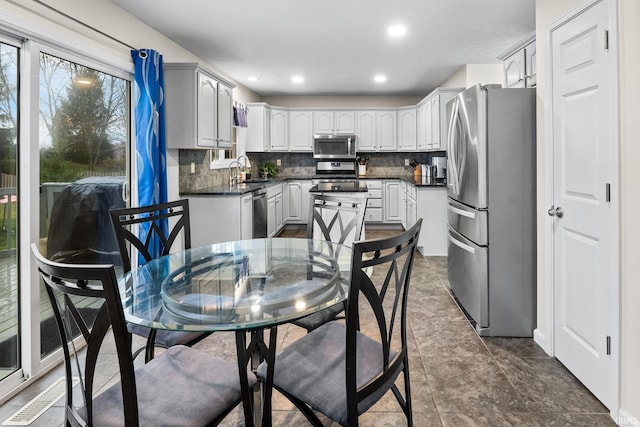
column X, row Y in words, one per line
column 584, row 209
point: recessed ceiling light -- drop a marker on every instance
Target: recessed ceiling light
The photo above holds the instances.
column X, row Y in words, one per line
column 297, row 79
column 397, row 30
column 253, row 79
column 380, row 78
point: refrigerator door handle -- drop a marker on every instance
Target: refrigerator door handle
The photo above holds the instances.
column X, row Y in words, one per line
column 461, row 245
column 452, row 147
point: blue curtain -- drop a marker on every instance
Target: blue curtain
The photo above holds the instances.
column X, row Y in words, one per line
column 149, row 128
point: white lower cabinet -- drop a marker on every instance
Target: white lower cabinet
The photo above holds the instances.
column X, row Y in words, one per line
column 275, row 210
column 220, row 218
column 271, row 216
column 412, row 206
column 393, row 205
column 296, row 201
column 246, row 217
column 432, row 208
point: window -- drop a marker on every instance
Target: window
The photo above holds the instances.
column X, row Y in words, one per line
column 9, row 296
column 84, row 135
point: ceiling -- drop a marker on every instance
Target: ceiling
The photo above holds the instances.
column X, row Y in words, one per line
column 338, row 46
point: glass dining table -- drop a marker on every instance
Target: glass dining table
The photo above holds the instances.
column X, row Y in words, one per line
column 246, row 286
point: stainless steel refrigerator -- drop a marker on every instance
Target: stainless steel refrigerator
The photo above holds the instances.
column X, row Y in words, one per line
column 491, row 161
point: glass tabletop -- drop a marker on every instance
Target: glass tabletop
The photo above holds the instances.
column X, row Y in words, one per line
column 237, row 285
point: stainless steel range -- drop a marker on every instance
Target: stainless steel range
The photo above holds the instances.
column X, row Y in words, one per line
column 338, row 169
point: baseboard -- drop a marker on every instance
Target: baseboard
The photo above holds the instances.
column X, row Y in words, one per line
column 540, row 339
column 625, row 419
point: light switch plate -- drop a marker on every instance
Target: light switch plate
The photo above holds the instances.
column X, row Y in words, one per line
column 278, row 162
column 406, row 162
column 193, row 167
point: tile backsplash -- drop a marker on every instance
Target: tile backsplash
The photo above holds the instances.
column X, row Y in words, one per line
column 292, row 165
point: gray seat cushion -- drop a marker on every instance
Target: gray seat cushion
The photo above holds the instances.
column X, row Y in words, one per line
column 181, row 387
column 314, row 320
column 166, row 338
column 313, row 369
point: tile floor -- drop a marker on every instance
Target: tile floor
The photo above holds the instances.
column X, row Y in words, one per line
column 458, row 378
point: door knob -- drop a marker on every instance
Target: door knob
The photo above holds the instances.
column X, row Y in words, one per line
column 556, row 212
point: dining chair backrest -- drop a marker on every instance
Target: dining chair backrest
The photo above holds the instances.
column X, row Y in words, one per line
column 75, row 290
column 341, row 369
column 336, row 218
column 182, row 386
column 386, row 293
column 151, row 218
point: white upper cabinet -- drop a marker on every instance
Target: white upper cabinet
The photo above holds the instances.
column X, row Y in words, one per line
column 300, row 130
column 207, row 133
column 530, row 65
column 514, row 70
column 519, row 63
column 334, row 121
column 198, row 108
column 366, row 131
column 407, row 129
column 421, row 125
column 225, row 115
column 438, row 125
column 376, row 130
column 258, row 133
column 387, row 132
column 279, row 133
column 432, row 119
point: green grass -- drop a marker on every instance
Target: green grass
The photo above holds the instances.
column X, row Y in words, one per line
column 8, row 229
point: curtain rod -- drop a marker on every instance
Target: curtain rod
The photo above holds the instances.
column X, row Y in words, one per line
column 84, row 24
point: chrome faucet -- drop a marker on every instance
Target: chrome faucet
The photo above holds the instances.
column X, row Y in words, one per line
column 234, row 180
column 244, row 164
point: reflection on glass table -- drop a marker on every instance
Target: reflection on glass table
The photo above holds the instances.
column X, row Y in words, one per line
column 242, row 286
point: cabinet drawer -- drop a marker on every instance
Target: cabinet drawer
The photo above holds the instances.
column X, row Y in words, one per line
column 373, row 215
column 373, row 184
column 374, row 203
column 375, row 193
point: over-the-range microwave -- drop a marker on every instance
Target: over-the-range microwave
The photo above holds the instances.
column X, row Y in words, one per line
column 334, row 146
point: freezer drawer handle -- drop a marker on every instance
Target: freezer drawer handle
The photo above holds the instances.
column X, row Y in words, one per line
column 462, row 213
column 461, row 245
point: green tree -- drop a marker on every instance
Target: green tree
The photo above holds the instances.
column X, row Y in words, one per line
column 80, row 124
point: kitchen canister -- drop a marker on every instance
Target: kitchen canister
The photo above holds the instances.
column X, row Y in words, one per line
column 362, row 170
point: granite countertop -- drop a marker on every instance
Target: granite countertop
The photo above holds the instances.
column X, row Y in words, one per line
column 250, row 186
column 226, row 190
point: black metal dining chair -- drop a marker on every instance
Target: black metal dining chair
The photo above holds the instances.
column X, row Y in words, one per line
column 342, row 369
column 180, row 387
column 126, row 221
column 337, row 219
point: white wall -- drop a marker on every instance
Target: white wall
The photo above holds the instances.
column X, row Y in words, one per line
column 472, row 74
column 457, row 79
column 629, row 16
column 342, row 101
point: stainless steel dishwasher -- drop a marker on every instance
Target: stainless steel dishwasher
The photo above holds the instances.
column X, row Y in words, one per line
column 260, row 213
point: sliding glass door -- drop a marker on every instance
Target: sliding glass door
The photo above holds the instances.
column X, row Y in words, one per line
column 84, row 135
column 9, row 290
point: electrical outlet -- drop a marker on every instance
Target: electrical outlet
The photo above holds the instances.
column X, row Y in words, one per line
column 278, row 162
column 193, row 167
column 406, row 162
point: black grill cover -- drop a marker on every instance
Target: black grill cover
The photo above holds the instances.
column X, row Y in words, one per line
column 80, row 229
